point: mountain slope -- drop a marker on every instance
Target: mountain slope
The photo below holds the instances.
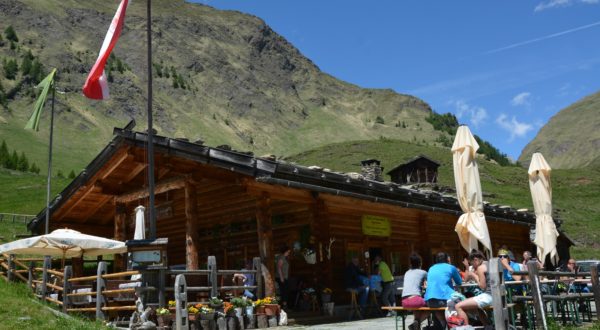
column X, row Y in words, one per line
column 219, row 76
column 571, row 139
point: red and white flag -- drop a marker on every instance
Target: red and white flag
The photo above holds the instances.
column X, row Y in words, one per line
column 96, row 85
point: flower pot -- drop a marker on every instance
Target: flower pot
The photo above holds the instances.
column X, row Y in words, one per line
column 192, row 317
column 249, row 310
column 326, row 297
column 164, row 321
column 207, row 316
column 260, row 309
column 238, row 311
column 271, row 309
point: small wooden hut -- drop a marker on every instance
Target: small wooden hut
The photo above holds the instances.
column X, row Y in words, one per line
column 420, row 169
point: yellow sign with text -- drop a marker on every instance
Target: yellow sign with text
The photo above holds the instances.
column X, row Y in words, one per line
column 376, row 226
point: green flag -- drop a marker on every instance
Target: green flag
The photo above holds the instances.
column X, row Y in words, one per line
column 34, row 121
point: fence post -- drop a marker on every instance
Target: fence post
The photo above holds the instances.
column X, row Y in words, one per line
column 596, row 287
column 181, row 312
column 212, row 277
column 47, row 264
column 498, row 294
column 257, row 266
column 10, row 275
column 100, row 286
column 68, row 272
column 30, row 275
column 536, row 293
column 161, row 288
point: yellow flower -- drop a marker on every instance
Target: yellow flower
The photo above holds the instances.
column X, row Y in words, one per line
column 172, row 303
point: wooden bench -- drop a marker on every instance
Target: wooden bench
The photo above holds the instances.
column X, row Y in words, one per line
column 402, row 312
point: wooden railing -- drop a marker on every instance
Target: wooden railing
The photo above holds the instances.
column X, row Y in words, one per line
column 539, row 299
column 101, row 293
column 16, row 218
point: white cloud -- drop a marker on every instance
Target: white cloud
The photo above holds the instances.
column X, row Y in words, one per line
column 550, row 4
column 521, row 99
column 513, row 126
column 475, row 114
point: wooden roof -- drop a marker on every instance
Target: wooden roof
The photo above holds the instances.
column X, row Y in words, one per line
column 119, row 172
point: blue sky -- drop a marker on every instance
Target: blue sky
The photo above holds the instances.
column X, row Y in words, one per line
column 504, row 68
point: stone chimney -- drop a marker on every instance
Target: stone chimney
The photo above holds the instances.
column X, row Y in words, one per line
column 371, row 169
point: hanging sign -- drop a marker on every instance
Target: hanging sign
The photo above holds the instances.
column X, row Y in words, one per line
column 376, row 226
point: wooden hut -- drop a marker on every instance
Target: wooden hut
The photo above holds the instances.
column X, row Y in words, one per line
column 420, row 169
column 234, row 206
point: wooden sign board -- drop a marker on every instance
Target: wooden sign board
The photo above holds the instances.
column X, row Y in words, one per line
column 376, row 226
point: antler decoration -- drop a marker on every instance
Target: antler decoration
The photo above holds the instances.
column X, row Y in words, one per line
column 331, row 241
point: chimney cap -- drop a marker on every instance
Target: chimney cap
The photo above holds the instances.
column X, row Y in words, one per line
column 370, row 161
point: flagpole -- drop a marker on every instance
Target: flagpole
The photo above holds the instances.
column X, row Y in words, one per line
column 151, row 210
column 50, row 161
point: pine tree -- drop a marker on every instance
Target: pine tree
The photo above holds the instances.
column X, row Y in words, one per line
column 60, row 174
column 4, row 155
column 72, row 174
column 34, row 168
column 23, row 163
column 26, row 64
column 37, row 71
column 10, row 34
column 13, row 160
column 10, row 69
column 2, row 95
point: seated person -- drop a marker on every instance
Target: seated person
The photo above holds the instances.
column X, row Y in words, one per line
column 481, row 276
column 414, row 281
column 353, row 281
column 441, row 279
column 246, row 279
column 575, row 287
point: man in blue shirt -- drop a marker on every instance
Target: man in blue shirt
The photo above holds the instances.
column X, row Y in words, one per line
column 441, row 279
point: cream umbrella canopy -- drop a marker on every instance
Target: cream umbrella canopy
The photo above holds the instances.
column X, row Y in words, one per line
column 65, row 243
column 541, row 194
column 471, row 226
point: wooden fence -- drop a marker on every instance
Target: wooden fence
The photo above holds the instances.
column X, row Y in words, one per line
column 106, row 293
column 16, row 218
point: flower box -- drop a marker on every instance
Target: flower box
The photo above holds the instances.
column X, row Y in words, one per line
column 272, row 309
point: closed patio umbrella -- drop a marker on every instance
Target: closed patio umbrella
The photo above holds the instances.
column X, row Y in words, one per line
column 471, row 226
column 65, row 243
column 541, row 194
column 140, row 223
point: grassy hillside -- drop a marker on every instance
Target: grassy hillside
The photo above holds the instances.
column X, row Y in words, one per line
column 576, row 192
column 571, row 139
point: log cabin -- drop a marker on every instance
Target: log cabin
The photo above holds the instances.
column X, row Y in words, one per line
column 215, row 201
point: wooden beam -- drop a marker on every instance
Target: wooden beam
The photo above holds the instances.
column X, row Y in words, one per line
column 137, row 170
column 85, row 192
column 120, row 235
column 161, row 187
column 277, row 192
column 117, row 163
column 192, row 241
column 105, row 199
column 320, row 229
column 265, row 233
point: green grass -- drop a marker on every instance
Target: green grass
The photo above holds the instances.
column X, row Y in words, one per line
column 21, row 310
column 576, row 192
column 25, row 193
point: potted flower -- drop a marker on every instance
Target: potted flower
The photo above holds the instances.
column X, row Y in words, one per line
column 239, row 304
column 164, row 317
column 206, row 313
column 228, row 308
column 259, row 306
column 271, row 306
column 192, row 312
column 326, row 295
column 215, row 302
